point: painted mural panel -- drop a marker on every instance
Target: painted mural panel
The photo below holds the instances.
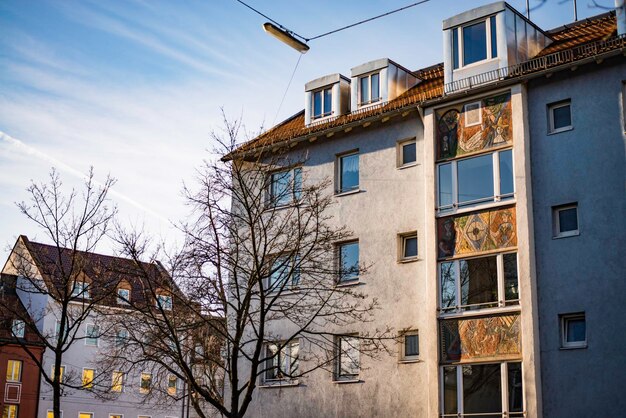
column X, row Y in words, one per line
column 476, row 232
column 480, row 339
column 469, row 127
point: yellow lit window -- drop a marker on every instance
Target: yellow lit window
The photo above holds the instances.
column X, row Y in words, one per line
column 10, row 411
column 60, row 374
column 171, row 385
column 88, row 375
column 117, row 382
column 85, row 415
column 14, row 371
column 146, row 383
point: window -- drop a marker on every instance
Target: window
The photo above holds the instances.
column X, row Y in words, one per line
column 348, row 173
column 407, row 153
column 50, row 414
column 472, row 114
column 80, row 289
column 573, row 331
column 88, row 376
column 116, row 416
column 117, row 381
column 145, row 383
column 477, row 283
column 172, row 385
column 9, row 411
column 18, row 327
column 480, row 390
column 348, row 261
column 61, row 373
column 120, row 337
column 369, row 89
column 410, row 346
column 475, row 180
column 57, row 329
column 164, row 302
column 565, row 220
column 348, row 363
column 14, row 371
column 322, row 103
column 92, row 333
column 559, row 117
column 408, row 249
column 473, row 44
column 282, row 360
column 85, row 415
column 285, row 187
column 123, row 296
column 285, row 273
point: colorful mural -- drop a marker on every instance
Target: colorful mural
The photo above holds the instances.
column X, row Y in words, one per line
column 480, row 339
column 476, row 232
column 492, row 128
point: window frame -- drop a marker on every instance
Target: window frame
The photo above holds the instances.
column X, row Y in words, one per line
column 458, row 53
column 293, row 277
column 20, row 371
column 295, row 195
column 169, row 302
column 339, row 173
column 338, row 376
column 402, row 239
column 400, row 153
column 20, row 326
column 563, row 322
column 270, row 359
column 556, row 223
column 404, row 358
column 84, row 289
column 557, row 105
column 499, row 304
column 340, row 276
column 322, row 92
column 90, row 340
column 88, row 385
column 169, row 380
column 126, row 299
column 120, row 383
column 497, row 198
column 370, row 101
column 143, row 390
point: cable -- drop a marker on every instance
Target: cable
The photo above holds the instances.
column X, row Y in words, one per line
column 287, row 89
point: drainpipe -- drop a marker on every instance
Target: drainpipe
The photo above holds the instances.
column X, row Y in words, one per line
column 620, row 15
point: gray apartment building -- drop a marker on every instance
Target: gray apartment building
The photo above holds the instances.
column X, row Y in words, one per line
column 486, row 193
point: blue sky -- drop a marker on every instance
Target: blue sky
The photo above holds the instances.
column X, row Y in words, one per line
column 133, row 88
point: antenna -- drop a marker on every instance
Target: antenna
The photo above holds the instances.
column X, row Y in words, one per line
column 575, row 12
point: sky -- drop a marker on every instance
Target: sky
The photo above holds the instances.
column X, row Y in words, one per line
column 134, row 88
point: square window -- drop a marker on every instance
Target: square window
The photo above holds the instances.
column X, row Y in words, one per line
column 80, row 289
column 18, row 327
column 164, row 302
column 560, row 117
column 322, row 103
column 472, row 114
column 407, row 153
column 348, row 363
column 565, row 220
column 410, row 346
column 123, row 296
column 348, row 262
column 348, row 173
column 285, row 187
column 282, row 360
column 285, row 273
column 409, row 246
column 573, row 331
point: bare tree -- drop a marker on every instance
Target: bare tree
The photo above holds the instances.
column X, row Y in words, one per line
column 59, row 280
column 260, row 297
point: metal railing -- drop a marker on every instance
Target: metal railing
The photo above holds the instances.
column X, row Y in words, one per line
column 541, row 63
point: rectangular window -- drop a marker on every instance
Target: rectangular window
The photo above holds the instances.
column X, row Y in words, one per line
column 494, row 38
column 573, row 331
column 9, row 411
column 348, row 173
column 478, row 283
column 322, row 103
column 145, row 384
column 92, row 332
column 123, row 296
column 559, row 117
column 369, row 89
column 61, row 373
column 565, row 220
column 120, row 337
column 408, row 250
column 117, row 381
column 348, row 261
column 474, row 43
column 164, row 302
column 410, row 346
column 348, row 363
column 285, row 273
column 116, row 416
column 18, row 327
column 14, row 371
column 172, row 385
column 50, row 414
column 282, row 360
column 88, row 376
column 285, row 187
column 472, row 114
column 407, row 153
column 475, row 180
column 80, row 289
column 483, row 390
column 85, row 415
column 455, row 48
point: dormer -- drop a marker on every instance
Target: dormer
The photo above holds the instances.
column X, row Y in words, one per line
column 326, row 97
column 488, row 38
column 379, row 81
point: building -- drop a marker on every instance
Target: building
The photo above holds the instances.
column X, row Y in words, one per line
column 478, row 190
column 19, row 372
column 110, row 284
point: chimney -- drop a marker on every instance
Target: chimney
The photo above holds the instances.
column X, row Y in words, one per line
column 620, row 15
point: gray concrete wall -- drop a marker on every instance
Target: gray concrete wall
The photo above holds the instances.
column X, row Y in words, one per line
column 584, row 272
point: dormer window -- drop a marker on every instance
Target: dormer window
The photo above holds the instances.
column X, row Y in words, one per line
column 123, row 296
column 477, row 42
column 81, row 289
column 322, row 103
column 164, row 301
column 369, row 89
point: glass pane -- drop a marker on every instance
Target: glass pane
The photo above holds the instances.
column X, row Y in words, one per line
column 481, row 389
column 365, row 91
column 349, row 172
column 280, row 273
column 455, row 48
column 349, row 357
column 317, row 104
column 295, row 351
column 280, row 189
column 411, row 345
column 328, row 101
column 511, row 288
column 562, row 117
column 447, row 273
column 449, row 390
column 516, row 397
column 349, row 261
column 474, row 43
column 445, row 185
column 494, row 40
column 297, row 183
column 479, row 282
column 375, row 87
column 576, row 330
column 408, row 153
column 568, row 220
column 475, row 179
column 506, row 172
column 410, row 247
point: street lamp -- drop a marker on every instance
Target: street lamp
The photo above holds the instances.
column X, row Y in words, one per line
column 285, row 37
